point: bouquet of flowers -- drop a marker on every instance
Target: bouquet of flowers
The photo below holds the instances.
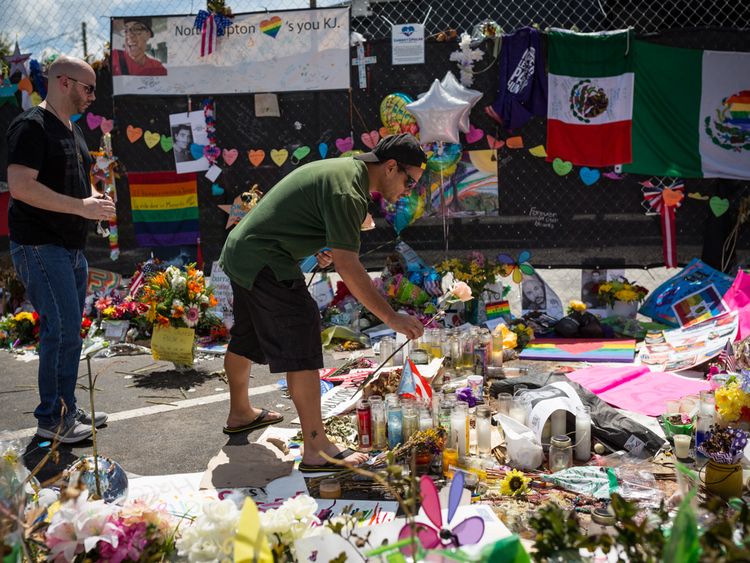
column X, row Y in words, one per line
column 21, row 328
column 621, row 290
column 477, row 271
column 724, row 445
column 114, row 307
column 177, row 298
column 733, row 398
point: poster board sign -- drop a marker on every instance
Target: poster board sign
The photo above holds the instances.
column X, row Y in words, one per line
column 407, row 44
column 281, row 51
column 173, row 344
column 223, row 294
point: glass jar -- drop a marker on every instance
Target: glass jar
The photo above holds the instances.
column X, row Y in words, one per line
column 460, row 428
column 387, row 346
column 484, row 428
column 560, row 453
column 379, row 436
column 467, row 352
column 395, row 426
column 410, row 423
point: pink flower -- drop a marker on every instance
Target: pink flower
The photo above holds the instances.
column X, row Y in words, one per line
column 461, row 291
column 131, row 541
column 102, row 303
column 192, row 314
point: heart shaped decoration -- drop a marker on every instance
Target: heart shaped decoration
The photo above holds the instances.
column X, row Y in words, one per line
column 166, row 143
column 279, row 156
column 514, row 142
column 384, row 132
column 697, row 195
column 538, row 151
column 474, row 135
column 495, row 144
column 370, row 139
column 299, row 154
column 229, row 156
column 212, row 153
column 407, row 30
column 412, row 128
column 216, row 190
column 580, row 347
column 589, row 176
column 25, row 85
column 345, row 144
column 256, row 156
column 75, row 117
column 107, row 125
column 323, row 150
column 271, row 27
column 133, row 133
column 672, row 198
column 718, row 205
column 561, row 167
column 196, row 151
column 151, row 139
column 93, row 120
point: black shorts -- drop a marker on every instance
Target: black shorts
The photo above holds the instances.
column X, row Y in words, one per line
column 277, row 323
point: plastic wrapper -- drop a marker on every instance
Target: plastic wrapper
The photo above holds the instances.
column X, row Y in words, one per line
column 523, row 448
column 13, row 474
column 597, row 482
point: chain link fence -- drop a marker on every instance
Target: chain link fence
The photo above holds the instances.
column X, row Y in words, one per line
column 599, row 226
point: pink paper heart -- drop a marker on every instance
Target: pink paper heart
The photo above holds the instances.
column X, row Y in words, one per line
column 107, row 125
column 474, row 134
column 580, row 347
column 230, row 155
column 370, row 139
column 93, row 120
column 211, row 152
column 345, row 144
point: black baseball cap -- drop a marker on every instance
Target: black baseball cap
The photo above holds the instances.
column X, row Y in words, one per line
column 143, row 20
column 403, row 148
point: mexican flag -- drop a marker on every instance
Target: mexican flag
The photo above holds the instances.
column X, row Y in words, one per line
column 691, row 115
column 590, row 102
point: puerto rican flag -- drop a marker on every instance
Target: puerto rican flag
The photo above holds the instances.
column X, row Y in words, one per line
column 413, row 385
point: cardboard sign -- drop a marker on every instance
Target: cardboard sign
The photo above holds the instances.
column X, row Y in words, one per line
column 173, row 344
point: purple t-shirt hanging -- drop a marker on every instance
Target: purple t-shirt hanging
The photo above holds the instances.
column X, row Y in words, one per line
column 522, row 89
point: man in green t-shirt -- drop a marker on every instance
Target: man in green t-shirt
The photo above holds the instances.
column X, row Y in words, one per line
column 320, row 205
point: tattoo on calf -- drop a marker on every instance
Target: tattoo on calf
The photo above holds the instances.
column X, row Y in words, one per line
column 314, row 434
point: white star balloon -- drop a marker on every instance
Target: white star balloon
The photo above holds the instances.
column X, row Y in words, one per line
column 438, row 115
column 451, row 85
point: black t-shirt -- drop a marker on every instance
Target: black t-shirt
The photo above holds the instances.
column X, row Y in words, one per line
column 39, row 140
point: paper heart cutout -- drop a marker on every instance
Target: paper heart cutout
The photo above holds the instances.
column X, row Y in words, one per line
column 345, row 144
column 93, row 120
column 561, row 167
column 589, row 176
column 229, row 156
column 412, row 128
column 672, row 198
column 196, row 151
column 538, row 151
column 370, row 139
column 299, row 154
column 212, row 153
column 271, row 27
column 718, row 205
column 474, row 135
column 25, row 85
column 76, row 116
column 166, row 143
column 495, row 144
column 279, row 156
column 698, row 196
column 133, row 133
column 323, row 150
column 152, row 139
column 256, row 156
column 384, row 132
column 107, row 125
column 216, row 189
column 514, row 142
column 580, row 347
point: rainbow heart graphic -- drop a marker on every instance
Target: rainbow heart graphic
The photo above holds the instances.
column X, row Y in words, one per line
column 271, row 26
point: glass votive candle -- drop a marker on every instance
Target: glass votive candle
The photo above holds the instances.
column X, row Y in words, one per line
column 450, row 459
column 682, row 445
column 330, row 488
column 519, row 409
column 502, row 403
column 672, row 406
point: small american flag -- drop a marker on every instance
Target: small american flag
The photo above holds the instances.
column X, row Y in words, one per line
column 727, row 359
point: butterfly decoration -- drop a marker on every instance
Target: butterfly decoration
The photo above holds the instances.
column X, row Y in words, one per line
column 508, row 266
column 439, row 536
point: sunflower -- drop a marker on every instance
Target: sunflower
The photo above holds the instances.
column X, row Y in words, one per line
column 515, row 483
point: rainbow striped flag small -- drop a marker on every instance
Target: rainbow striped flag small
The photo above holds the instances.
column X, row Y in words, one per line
column 497, row 309
column 165, row 208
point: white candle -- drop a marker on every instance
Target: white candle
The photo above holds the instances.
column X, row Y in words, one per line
column 682, row 445
column 518, row 410
column 483, row 436
column 583, row 434
column 559, row 422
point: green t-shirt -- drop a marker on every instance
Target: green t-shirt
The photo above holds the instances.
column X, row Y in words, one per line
column 321, row 204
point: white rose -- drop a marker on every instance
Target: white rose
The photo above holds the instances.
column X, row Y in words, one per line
column 302, row 506
column 221, row 511
column 202, row 551
column 275, row 521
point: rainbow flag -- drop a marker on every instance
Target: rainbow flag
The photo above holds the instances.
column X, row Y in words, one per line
column 580, row 350
column 497, row 309
column 165, row 208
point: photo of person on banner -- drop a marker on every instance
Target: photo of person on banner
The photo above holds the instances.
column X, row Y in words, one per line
column 131, row 54
column 182, row 136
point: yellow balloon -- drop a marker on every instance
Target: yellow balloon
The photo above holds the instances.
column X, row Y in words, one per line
column 393, row 112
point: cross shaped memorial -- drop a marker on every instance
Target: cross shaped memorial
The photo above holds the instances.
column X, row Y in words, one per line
column 361, row 61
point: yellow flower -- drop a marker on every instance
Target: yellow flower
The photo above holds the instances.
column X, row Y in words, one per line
column 576, row 305
column 515, row 483
column 24, row 316
column 626, row 295
column 729, row 401
column 108, row 312
column 605, row 288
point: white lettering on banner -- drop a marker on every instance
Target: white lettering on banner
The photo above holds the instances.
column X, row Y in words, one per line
column 545, row 219
column 523, row 72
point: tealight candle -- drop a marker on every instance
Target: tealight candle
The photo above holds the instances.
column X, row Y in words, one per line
column 682, row 445
column 330, row 488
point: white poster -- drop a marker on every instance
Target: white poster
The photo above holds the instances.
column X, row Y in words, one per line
column 283, row 51
column 536, row 295
column 223, row 293
column 188, row 138
column 407, row 44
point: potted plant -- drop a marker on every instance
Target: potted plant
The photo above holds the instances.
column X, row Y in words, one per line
column 622, row 297
column 724, row 448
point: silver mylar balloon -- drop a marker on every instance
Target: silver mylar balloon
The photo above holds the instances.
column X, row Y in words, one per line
column 438, row 115
column 451, row 85
column 112, row 478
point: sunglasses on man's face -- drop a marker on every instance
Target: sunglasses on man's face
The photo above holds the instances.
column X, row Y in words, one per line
column 410, row 182
column 88, row 88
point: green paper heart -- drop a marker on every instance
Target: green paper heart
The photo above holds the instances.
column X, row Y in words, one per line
column 300, row 153
column 166, row 143
column 561, row 167
column 718, row 205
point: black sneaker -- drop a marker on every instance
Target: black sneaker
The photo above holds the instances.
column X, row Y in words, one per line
column 71, row 432
column 84, row 417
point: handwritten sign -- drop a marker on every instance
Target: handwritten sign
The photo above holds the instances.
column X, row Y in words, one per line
column 173, row 344
column 544, row 219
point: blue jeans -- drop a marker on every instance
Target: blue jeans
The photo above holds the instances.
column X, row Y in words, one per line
column 55, row 279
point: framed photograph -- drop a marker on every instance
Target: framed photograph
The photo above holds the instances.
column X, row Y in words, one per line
column 188, row 138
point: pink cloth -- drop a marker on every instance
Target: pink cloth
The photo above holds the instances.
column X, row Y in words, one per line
column 738, row 297
column 636, row 388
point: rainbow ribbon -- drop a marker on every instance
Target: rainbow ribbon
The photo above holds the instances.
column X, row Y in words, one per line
column 654, row 203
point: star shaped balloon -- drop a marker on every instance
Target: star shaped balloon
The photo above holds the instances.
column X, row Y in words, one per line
column 16, row 61
column 438, row 115
column 454, row 88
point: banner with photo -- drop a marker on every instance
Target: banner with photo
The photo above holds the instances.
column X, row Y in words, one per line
column 259, row 52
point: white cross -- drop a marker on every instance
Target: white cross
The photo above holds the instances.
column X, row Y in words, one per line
column 361, row 61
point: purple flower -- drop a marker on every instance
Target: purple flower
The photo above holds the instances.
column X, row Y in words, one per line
column 466, row 396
